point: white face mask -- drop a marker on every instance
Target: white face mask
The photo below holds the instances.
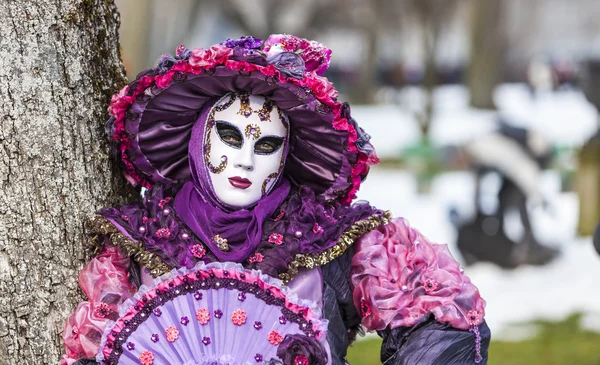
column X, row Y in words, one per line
column 246, row 144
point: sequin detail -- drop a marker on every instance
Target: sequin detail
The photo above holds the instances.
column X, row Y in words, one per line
column 154, row 337
column 276, row 238
column 252, row 130
column 258, row 358
column 241, row 296
column 184, row 320
column 474, row 317
column 257, row 257
column 258, row 325
column 221, row 242
column 317, row 229
column 206, row 341
column 301, row 360
column 102, row 310
column 198, row 251
column 146, row 358
column 198, row 295
column 365, row 308
column 163, row 233
column 279, row 216
column 203, row 315
column 274, row 338
column 430, row 285
column 475, row 330
column 238, row 317
column 163, row 202
column 218, row 313
column 172, row 334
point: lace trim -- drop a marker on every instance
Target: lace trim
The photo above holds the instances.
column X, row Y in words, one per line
column 101, row 227
column 349, row 236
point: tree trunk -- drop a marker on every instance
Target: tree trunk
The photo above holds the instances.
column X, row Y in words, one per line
column 59, row 64
column 365, row 89
column 487, row 42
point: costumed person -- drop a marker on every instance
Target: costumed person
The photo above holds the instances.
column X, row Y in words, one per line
column 247, row 247
column 518, row 155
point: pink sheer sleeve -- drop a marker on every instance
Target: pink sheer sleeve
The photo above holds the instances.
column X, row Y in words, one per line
column 105, row 281
column 398, row 277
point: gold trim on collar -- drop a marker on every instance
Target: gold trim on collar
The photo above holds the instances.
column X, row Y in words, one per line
column 100, row 226
column 349, row 236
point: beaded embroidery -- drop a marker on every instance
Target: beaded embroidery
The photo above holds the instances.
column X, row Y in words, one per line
column 264, row 113
column 221, row 242
column 252, row 130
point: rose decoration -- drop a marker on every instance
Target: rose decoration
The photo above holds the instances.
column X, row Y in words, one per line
column 300, row 348
column 208, row 57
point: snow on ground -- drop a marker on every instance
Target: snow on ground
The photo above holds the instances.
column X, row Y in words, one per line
column 568, row 284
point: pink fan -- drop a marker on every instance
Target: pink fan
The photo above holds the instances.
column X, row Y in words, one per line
column 218, row 314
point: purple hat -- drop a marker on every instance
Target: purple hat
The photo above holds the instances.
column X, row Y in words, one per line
column 152, row 117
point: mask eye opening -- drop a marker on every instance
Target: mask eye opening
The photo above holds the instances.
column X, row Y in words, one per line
column 229, row 134
column 268, row 145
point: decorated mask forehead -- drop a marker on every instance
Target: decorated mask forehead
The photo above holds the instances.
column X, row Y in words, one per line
column 245, row 148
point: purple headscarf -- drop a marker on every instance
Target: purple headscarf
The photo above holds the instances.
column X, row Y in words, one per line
column 200, row 209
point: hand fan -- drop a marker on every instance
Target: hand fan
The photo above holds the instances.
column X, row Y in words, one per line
column 218, row 314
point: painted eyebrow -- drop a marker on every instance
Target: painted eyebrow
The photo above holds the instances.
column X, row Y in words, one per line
column 271, row 136
column 229, row 124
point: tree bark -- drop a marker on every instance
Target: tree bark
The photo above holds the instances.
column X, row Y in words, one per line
column 487, row 43
column 59, row 64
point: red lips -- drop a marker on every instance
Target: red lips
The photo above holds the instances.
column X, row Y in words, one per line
column 240, row 182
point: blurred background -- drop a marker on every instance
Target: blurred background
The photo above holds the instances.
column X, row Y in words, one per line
column 484, row 114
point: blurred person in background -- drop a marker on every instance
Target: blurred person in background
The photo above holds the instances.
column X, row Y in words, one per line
column 518, row 156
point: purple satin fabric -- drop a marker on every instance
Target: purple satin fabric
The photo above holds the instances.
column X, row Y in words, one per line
column 200, row 209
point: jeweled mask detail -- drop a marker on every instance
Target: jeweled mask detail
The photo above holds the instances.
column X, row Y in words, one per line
column 244, row 152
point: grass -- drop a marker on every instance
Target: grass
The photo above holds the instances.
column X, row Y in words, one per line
column 556, row 343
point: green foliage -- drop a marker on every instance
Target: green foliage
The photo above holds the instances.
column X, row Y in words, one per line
column 557, row 343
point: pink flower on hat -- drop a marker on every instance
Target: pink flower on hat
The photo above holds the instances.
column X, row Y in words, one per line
column 322, row 88
column 315, row 55
column 120, row 102
column 210, row 57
